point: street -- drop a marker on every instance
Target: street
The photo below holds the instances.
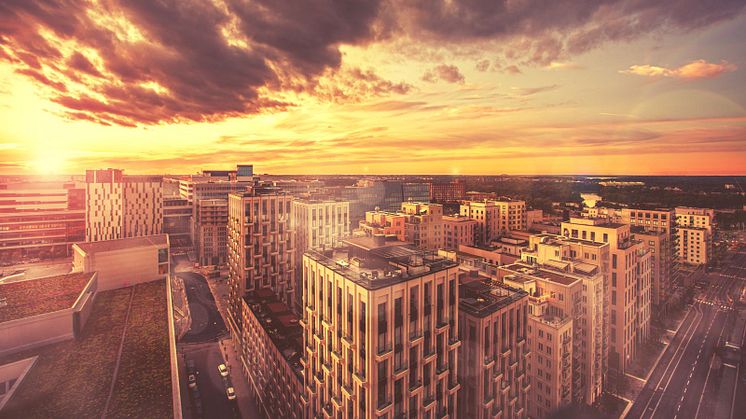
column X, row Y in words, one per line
column 687, row 369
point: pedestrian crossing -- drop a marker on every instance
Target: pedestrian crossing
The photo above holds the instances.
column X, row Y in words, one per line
column 717, row 305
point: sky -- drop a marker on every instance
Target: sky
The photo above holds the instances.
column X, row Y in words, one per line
column 456, row 87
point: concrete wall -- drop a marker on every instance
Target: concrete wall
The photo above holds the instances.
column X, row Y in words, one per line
column 120, row 268
column 44, row 329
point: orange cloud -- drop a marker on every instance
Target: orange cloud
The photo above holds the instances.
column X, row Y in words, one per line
column 698, row 69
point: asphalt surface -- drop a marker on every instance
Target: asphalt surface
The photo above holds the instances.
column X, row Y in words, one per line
column 676, row 387
column 200, row 344
column 207, row 323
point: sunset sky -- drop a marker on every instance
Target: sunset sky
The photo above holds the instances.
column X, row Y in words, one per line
column 374, row 87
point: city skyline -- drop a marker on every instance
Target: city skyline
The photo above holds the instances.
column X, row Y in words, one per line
column 380, row 88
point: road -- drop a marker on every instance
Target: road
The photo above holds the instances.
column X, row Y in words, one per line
column 677, row 385
column 200, row 344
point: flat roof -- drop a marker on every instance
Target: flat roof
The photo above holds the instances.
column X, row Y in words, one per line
column 482, row 297
column 121, row 244
column 280, row 324
column 73, row 378
column 33, row 297
column 542, row 273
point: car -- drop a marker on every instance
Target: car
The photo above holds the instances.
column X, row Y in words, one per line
column 223, row 370
column 231, row 393
column 192, row 381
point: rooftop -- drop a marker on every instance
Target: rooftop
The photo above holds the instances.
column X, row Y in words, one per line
column 39, row 296
column 158, row 240
column 480, row 296
column 280, row 324
column 73, row 378
column 378, row 262
column 561, row 278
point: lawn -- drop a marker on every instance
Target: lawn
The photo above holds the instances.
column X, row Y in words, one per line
column 71, row 379
column 143, row 387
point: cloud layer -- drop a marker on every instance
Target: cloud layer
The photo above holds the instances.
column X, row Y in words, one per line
column 144, row 62
column 698, row 69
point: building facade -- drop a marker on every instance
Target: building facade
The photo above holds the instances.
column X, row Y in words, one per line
column 380, row 331
column 40, row 219
column 271, row 350
column 459, row 230
column 211, row 231
column 695, row 235
column 120, row 206
column 630, row 282
column 493, row 357
column 447, row 192
column 512, row 215
column 261, row 250
column 487, row 215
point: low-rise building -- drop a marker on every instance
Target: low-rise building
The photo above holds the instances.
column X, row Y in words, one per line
column 271, row 351
column 124, row 262
column 43, row 311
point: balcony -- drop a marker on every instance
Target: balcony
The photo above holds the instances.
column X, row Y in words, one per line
column 383, row 408
column 453, row 344
column 359, row 377
column 488, row 361
column 414, row 387
column 488, row 401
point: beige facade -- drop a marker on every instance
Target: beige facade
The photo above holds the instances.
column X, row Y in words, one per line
column 630, row 280
column 512, row 215
column 656, row 228
column 261, row 249
column 124, row 262
column 459, row 230
column 493, row 358
column 695, row 231
column 120, row 206
column 487, row 215
column 418, row 223
column 380, row 330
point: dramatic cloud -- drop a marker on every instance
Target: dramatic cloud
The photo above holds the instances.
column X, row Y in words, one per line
column 444, row 72
column 699, row 69
column 151, row 62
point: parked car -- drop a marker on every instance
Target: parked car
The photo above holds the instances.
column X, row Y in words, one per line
column 231, row 393
column 223, row 370
column 192, row 379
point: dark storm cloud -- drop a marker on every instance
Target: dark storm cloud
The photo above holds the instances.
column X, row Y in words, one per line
column 183, row 66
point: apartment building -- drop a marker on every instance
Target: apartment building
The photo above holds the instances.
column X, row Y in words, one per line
column 380, row 331
column 261, row 249
column 695, row 234
column 121, row 206
column 271, row 351
column 459, row 230
column 177, row 214
column 656, row 229
column 630, row 270
column 317, row 225
column 40, row 219
column 512, row 215
column 211, row 231
column 416, row 222
column 493, row 357
column 487, row 215
column 447, row 191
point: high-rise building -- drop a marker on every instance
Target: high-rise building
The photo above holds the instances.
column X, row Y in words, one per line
column 317, row 225
column 459, row 230
column 211, row 231
column 380, row 330
column 656, row 229
column 487, row 214
column 695, row 235
column 177, row 214
column 121, row 206
column 261, row 249
column 40, row 219
column 630, row 271
column 493, row 356
column 447, row 192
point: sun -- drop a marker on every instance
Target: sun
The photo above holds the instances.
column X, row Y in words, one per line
column 48, row 163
